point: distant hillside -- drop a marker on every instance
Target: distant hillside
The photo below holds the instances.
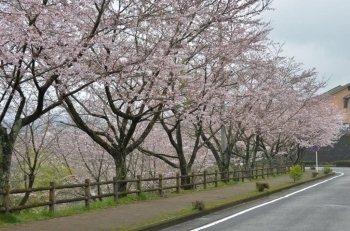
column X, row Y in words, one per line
column 340, row 151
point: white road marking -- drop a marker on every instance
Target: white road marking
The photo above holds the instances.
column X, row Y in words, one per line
column 261, row 205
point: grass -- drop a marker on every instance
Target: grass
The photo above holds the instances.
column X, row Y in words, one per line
column 8, row 219
column 167, row 217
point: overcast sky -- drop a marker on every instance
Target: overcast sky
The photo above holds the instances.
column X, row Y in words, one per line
column 317, row 34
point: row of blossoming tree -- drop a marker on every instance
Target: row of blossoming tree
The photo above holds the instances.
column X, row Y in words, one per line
column 116, row 87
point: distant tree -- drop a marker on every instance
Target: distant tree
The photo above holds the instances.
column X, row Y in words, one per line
column 74, row 152
column 32, row 152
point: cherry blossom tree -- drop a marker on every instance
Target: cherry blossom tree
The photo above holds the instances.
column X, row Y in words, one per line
column 46, row 54
column 186, row 146
column 177, row 40
column 269, row 95
column 318, row 123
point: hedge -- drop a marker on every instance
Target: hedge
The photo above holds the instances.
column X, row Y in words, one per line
column 342, row 163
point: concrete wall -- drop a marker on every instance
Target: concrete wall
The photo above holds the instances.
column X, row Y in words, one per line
column 338, row 100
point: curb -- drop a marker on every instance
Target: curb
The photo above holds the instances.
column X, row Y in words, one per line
column 179, row 220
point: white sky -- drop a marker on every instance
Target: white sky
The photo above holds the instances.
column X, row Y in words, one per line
column 317, row 34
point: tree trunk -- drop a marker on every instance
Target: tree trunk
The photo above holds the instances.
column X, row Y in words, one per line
column 121, row 171
column 256, row 147
column 7, row 141
column 30, row 185
column 185, row 181
column 223, row 166
column 222, row 158
column 6, row 149
column 299, row 156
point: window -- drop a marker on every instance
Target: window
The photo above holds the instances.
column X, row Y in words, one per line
column 345, row 103
column 348, row 88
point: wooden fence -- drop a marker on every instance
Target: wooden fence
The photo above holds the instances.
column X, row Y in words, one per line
column 195, row 179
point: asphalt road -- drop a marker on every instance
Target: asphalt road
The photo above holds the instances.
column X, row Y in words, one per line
column 321, row 205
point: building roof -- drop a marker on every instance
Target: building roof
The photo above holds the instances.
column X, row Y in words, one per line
column 337, row 89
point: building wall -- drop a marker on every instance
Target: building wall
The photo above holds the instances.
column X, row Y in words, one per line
column 338, row 100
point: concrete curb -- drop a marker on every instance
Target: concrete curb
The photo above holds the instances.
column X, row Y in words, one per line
column 179, row 220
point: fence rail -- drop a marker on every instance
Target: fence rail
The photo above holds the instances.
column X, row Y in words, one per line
column 193, row 180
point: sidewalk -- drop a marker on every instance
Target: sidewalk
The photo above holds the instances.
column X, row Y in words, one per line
column 141, row 213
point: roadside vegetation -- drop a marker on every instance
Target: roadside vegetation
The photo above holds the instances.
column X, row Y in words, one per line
column 34, row 215
column 28, row 215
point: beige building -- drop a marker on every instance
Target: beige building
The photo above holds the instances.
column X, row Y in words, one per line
column 341, row 96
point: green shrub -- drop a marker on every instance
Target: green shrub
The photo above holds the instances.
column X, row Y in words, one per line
column 296, row 172
column 314, row 174
column 309, row 163
column 261, row 186
column 324, row 163
column 198, row 205
column 266, row 185
column 342, row 163
column 327, row 170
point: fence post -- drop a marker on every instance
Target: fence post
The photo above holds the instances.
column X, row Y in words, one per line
column 271, row 171
column 256, row 173
column 178, row 183
column 192, row 180
column 115, row 189
column 139, row 188
column 6, row 199
column 216, row 178
column 262, row 172
column 52, row 197
column 87, row 193
column 160, row 184
column 205, row 179
column 243, row 173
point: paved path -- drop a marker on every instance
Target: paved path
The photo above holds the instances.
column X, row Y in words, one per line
column 119, row 217
column 324, row 206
